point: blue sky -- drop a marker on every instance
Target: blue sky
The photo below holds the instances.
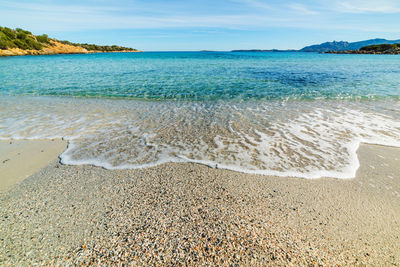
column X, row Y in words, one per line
column 213, row 25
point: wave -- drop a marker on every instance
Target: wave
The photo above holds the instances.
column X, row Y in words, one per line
column 308, row 139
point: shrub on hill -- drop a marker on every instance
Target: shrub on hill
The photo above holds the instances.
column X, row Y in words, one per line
column 4, row 44
column 9, row 33
column 380, row 48
column 32, row 43
column 21, row 35
column 102, row 48
column 20, row 38
column 43, row 38
column 25, row 40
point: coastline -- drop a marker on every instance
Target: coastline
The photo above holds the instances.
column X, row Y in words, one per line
column 7, row 53
column 56, row 48
column 360, row 52
column 186, row 212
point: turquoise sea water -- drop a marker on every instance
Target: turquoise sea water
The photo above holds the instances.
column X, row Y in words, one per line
column 297, row 114
column 203, row 76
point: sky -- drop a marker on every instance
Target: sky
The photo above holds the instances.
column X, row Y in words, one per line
column 165, row 25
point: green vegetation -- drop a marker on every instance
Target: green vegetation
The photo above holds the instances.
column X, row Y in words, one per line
column 387, row 49
column 25, row 40
column 102, row 48
column 43, row 38
column 20, row 38
column 381, row 48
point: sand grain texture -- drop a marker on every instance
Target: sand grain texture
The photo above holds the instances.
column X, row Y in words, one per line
column 21, row 158
column 193, row 214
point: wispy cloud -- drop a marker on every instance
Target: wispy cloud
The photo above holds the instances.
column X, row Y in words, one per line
column 302, row 9
column 82, row 17
column 229, row 14
column 64, row 8
column 255, row 3
column 381, row 6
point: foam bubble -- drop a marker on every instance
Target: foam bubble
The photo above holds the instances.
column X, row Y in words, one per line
column 308, row 139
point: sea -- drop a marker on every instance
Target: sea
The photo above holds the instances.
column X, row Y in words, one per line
column 282, row 114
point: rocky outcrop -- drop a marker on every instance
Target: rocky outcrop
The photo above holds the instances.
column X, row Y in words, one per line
column 389, row 52
column 382, row 49
column 53, row 48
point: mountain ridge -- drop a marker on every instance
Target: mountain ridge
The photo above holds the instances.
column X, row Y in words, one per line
column 344, row 45
column 330, row 46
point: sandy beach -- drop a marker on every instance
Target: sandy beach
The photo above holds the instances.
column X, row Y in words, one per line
column 197, row 133
column 21, row 158
column 196, row 215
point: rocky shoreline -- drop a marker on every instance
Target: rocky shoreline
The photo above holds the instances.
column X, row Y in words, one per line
column 360, row 52
column 55, row 48
column 381, row 49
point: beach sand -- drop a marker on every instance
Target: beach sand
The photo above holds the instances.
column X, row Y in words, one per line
column 193, row 214
column 22, row 158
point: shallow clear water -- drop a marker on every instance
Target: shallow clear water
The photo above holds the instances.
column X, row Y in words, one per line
column 288, row 114
column 203, row 76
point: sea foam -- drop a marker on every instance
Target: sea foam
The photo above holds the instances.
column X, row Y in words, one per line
column 308, row 139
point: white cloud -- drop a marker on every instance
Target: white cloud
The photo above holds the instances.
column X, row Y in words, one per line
column 49, row 8
column 254, row 3
column 241, row 14
column 381, row 6
column 42, row 17
column 302, row 9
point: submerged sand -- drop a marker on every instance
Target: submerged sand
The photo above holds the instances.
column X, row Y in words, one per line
column 193, row 214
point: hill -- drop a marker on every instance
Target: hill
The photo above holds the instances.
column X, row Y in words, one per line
column 383, row 48
column 391, row 49
column 343, row 46
column 15, row 42
column 330, row 46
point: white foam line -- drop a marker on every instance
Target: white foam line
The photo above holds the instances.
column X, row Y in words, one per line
column 348, row 172
column 354, row 123
column 67, row 160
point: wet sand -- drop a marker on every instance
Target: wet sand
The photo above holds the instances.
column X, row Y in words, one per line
column 190, row 213
column 21, row 158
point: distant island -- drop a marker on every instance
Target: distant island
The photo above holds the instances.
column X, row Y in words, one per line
column 331, row 46
column 270, row 50
column 19, row 42
column 345, row 46
column 387, row 49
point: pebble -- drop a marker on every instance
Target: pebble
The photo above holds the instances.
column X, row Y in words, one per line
column 188, row 213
